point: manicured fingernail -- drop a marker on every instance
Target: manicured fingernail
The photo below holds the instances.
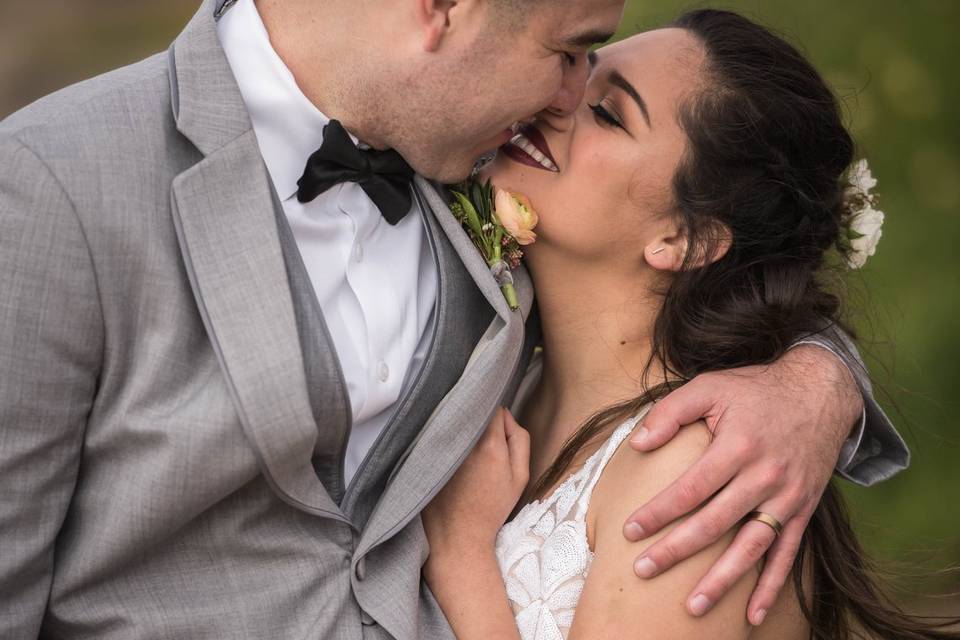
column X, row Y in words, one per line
column 640, row 436
column 700, row 604
column 633, row 532
column 758, row 617
column 645, row 567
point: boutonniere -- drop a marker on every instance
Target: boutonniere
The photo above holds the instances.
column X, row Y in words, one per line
column 499, row 223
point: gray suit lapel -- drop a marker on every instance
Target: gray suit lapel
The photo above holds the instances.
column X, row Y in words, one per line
column 326, row 386
column 225, row 219
column 448, row 435
column 459, row 419
column 461, row 316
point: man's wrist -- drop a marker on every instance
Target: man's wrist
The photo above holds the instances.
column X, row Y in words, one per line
column 816, row 361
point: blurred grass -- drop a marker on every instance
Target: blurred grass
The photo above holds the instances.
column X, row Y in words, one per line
column 892, row 62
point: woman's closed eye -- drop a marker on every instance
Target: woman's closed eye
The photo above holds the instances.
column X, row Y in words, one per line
column 603, row 115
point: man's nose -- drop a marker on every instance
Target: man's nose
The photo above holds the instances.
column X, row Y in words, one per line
column 572, row 89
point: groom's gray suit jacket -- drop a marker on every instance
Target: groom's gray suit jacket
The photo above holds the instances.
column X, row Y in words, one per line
column 172, row 413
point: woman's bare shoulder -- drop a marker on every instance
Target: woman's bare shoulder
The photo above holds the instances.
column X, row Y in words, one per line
column 633, row 475
column 630, row 479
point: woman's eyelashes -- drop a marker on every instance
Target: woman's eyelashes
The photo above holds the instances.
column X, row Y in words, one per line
column 602, row 115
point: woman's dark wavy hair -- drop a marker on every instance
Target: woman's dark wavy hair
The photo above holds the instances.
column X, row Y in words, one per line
column 765, row 163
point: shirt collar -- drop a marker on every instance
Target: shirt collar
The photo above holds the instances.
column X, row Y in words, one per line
column 289, row 128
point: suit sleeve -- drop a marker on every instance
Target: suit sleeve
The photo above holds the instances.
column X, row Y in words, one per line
column 51, row 339
column 874, row 451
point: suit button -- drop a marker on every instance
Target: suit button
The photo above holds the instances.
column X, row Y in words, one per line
column 361, row 569
column 366, row 620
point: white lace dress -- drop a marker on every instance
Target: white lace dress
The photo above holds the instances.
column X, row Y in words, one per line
column 543, row 552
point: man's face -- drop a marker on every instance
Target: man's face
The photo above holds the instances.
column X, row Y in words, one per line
column 497, row 76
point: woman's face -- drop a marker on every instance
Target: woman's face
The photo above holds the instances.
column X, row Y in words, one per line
column 610, row 184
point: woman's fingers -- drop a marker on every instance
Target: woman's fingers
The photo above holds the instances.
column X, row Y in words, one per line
column 510, row 424
column 495, row 429
column 518, row 445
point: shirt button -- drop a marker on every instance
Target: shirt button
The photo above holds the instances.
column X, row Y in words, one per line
column 383, row 371
column 365, row 619
column 361, row 570
column 358, row 253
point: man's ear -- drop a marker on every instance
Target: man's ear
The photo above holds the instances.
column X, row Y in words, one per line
column 433, row 17
column 668, row 249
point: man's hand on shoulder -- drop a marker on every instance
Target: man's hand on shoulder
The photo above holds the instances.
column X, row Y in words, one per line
column 778, row 430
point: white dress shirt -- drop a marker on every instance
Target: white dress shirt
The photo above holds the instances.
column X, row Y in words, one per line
column 376, row 283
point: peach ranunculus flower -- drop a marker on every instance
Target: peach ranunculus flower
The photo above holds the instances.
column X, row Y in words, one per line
column 516, row 215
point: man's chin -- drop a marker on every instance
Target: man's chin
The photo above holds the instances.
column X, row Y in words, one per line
column 453, row 167
column 451, row 171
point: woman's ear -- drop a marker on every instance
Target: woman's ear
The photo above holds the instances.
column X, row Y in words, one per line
column 668, row 247
column 433, row 16
column 666, row 253
column 668, row 250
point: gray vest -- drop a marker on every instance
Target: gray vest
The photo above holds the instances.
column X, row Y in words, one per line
column 461, row 313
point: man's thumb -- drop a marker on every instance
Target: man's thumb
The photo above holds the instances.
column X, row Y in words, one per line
column 683, row 406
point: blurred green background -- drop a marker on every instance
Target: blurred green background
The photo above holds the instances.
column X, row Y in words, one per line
column 893, row 63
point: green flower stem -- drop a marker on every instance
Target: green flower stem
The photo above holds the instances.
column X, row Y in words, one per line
column 497, row 245
column 507, row 289
column 511, row 295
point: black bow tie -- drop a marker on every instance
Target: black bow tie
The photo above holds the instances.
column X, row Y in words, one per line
column 383, row 175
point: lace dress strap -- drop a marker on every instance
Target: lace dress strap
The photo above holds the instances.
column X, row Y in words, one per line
column 602, row 457
column 543, row 552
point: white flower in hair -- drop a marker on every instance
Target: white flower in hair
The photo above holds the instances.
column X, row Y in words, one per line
column 865, row 223
column 860, row 177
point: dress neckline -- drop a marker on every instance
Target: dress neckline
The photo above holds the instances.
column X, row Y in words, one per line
column 525, row 389
column 603, row 453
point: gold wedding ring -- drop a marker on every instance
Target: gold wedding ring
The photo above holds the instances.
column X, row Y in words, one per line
column 766, row 519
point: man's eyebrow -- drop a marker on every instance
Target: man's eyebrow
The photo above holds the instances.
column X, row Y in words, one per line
column 587, row 39
column 617, row 80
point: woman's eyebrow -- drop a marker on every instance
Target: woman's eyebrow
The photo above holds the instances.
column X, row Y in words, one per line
column 616, row 79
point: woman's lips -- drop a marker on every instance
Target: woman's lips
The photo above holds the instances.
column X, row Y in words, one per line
column 533, row 135
column 494, row 144
column 529, row 147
